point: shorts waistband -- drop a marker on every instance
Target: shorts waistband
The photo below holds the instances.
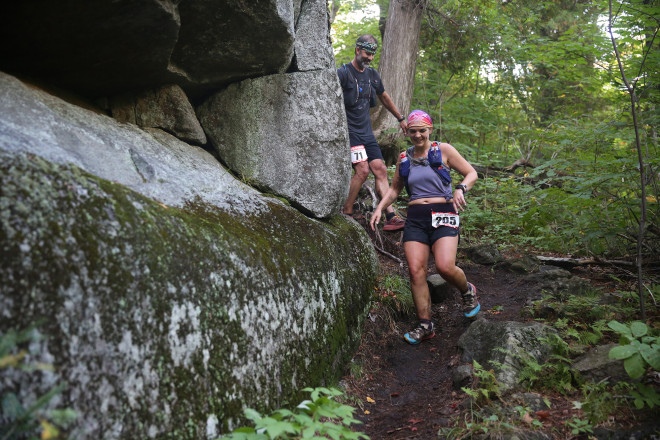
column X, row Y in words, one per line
column 424, row 209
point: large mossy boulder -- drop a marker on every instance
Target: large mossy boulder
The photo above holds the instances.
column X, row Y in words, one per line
column 168, row 295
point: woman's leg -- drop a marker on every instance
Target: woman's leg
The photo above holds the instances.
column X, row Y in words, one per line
column 444, row 254
column 417, row 256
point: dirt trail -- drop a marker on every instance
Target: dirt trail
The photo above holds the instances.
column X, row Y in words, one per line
column 406, row 391
column 411, row 385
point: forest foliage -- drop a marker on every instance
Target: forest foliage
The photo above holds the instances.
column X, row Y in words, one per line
column 538, row 82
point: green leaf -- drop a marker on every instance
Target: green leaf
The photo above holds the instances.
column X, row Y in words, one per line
column 252, row 414
column 638, row 329
column 11, row 407
column 635, row 366
column 275, row 428
column 651, row 355
column 63, row 417
column 622, row 351
column 621, row 329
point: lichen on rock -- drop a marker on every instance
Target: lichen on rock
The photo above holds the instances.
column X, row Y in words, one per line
column 158, row 317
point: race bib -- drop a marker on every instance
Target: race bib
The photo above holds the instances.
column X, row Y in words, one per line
column 445, row 219
column 358, row 154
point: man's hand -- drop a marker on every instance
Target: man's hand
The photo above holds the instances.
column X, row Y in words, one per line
column 404, row 127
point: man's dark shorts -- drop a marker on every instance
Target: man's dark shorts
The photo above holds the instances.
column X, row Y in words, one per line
column 371, row 146
column 418, row 223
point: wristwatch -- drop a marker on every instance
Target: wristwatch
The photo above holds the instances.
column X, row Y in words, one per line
column 462, row 188
column 400, row 119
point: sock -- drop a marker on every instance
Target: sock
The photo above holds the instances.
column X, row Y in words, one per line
column 389, row 215
column 426, row 323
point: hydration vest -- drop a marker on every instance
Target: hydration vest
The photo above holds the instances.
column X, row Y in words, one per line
column 352, row 91
column 435, row 162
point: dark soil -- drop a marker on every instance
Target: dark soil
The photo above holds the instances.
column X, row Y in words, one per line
column 405, row 391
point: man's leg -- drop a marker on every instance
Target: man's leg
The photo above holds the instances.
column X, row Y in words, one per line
column 380, row 176
column 361, row 173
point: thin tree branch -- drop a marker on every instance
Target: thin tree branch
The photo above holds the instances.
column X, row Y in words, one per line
column 642, row 220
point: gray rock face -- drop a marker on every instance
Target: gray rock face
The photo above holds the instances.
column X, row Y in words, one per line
column 559, row 281
column 152, row 163
column 518, row 341
column 526, row 264
column 223, row 41
column 311, row 52
column 487, row 254
column 165, row 107
column 107, row 47
column 439, row 289
column 461, row 376
column 595, row 365
column 91, row 47
column 275, row 133
column 171, row 294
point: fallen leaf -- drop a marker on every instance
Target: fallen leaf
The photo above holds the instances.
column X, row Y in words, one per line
column 48, row 431
column 415, row 421
column 367, row 412
column 414, row 428
column 527, row 418
column 370, row 400
column 394, row 395
column 543, row 414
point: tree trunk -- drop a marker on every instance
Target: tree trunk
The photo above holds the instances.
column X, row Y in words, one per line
column 398, row 59
column 334, row 8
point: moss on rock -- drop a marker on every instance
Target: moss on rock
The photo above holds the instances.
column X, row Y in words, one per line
column 161, row 318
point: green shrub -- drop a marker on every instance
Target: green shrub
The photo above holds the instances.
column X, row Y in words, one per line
column 637, row 348
column 320, row 417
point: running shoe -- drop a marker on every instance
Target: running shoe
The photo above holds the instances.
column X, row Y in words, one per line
column 396, row 223
column 471, row 304
column 421, row 333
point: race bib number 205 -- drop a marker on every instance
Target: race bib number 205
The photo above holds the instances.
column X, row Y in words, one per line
column 445, row 219
column 358, row 154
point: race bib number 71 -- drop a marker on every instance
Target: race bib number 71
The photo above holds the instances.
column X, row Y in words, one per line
column 358, row 154
column 445, row 219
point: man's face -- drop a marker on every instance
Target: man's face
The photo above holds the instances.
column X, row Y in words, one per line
column 364, row 58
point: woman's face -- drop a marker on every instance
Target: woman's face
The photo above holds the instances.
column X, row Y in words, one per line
column 419, row 135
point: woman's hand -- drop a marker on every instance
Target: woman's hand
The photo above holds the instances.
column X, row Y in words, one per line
column 375, row 218
column 459, row 200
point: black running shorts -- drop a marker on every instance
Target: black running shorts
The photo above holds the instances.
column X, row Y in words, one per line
column 418, row 223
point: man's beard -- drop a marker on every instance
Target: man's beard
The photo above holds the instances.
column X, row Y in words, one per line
column 362, row 63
